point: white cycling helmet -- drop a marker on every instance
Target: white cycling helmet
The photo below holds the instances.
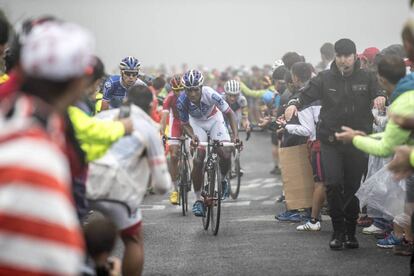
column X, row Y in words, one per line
column 232, row 87
column 277, row 64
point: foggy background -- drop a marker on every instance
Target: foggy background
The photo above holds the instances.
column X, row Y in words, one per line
column 218, row 33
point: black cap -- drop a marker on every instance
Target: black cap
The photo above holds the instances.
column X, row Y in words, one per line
column 345, row 46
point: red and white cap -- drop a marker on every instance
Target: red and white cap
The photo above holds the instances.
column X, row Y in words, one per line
column 57, row 51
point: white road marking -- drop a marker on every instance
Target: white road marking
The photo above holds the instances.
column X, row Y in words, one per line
column 268, row 202
column 256, row 218
column 250, row 186
column 235, row 203
column 272, row 185
column 152, row 207
column 270, row 180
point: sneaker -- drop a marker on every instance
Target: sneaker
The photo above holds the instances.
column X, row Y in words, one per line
column 404, row 249
column 198, row 209
column 174, row 198
column 364, row 221
column 225, row 189
column 389, row 242
column 309, row 226
column 372, row 230
column 289, row 216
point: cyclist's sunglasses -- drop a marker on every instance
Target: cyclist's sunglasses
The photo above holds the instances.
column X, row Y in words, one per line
column 195, row 89
column 131, row 73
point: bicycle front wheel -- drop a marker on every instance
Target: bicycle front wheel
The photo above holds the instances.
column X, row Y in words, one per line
column 216, row 192
column 206, row 195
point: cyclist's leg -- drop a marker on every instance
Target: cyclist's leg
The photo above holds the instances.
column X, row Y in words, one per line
column 198, row 161
column 219, row 131
column 174, row 148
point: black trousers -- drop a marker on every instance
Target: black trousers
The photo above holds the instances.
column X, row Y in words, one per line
column 344, row 166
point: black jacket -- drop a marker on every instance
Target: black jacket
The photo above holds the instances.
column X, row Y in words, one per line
column 345, row 101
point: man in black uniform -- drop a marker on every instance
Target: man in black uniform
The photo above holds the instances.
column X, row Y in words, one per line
column 347, row 93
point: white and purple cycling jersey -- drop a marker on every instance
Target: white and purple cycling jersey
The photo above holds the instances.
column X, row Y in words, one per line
column 210, row 102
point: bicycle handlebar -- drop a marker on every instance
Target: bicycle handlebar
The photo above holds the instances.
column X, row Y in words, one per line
column 177, row 138
column 220, row 144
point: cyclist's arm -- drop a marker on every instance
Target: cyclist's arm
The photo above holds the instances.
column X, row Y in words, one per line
column 233, row 122
column 107, row 94
column 185, row 118
column 224, row 107
column 165, row 112
column 164, row 117
column 188, row 129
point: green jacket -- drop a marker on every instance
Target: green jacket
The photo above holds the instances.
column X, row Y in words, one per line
column 254, row 93
column 95, row 136
column 393, row 135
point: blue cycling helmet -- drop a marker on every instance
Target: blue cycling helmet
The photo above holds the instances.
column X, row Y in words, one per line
column 267, row 97
column 129, row 63
column 192, row 78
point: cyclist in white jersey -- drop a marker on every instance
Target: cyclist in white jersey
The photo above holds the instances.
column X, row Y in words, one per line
column 201, row 111
column 237, row 102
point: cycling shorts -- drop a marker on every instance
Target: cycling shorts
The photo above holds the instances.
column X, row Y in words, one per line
column 214, row 125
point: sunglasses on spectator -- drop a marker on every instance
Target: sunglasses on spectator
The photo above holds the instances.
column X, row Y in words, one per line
column 131, row 74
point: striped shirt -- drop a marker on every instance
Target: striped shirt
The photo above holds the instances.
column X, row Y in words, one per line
column 39, row 230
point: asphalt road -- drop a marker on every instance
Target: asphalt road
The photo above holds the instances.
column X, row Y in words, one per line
column 250, row 241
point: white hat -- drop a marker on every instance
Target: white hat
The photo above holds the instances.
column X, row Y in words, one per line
column 57, row 51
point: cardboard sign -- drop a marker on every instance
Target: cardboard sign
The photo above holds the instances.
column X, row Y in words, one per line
column 297, row 176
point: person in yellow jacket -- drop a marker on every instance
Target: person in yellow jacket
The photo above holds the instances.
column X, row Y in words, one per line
column 93, row 136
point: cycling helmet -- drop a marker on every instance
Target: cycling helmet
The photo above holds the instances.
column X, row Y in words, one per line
column 192, row 78
column 277, row 64
column 130, row 64
column 232, row 87
column 175, row 83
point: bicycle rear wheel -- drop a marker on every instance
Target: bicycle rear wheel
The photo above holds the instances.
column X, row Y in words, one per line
column 235, row 189
column 215, row 191
column 206, row 195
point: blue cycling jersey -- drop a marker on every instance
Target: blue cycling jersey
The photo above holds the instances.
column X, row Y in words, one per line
column 114, row 92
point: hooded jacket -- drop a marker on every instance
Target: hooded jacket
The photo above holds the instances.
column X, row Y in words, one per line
column 345, row 100
column 402, row 104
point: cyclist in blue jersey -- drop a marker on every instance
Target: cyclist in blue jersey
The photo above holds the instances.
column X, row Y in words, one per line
column 116, row 86
column 201, row 111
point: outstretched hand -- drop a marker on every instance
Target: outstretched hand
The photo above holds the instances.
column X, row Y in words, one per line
column 348, row 134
